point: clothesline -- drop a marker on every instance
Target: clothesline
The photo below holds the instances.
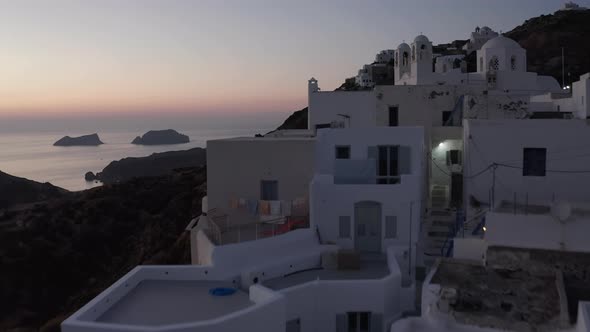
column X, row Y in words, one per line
column 296, row 207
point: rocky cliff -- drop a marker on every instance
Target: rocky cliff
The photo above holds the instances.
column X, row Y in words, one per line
column 16, row 191
column 59, row 254
column 543, row 37
column 153, row 165
column 85, row 140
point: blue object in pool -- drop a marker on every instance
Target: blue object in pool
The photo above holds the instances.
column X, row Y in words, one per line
column 222, row 291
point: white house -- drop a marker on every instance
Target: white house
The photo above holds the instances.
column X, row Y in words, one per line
column 366, row 192
column 479, row 37
column 385, row 56
column 572, row 101
column 364, row 78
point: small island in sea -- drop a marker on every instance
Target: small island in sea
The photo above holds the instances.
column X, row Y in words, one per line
column 85, row 140
column 161, row 137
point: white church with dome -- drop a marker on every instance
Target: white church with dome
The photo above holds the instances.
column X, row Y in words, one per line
column 501, row 65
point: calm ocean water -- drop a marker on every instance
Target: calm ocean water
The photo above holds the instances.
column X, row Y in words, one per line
column 31, row 154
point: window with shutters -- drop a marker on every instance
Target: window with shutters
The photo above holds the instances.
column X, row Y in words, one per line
column 343, row 152
column 390, row 227
column 534, row 162
column 387, row 165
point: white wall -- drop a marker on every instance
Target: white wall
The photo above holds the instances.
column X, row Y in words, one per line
column 418, row 105
column 235, row 168
column 204, row 248
column 317, row 303
column 537, row 231
column 469, row 248
column 324, row 107
column 245, row 255
column 502, row 141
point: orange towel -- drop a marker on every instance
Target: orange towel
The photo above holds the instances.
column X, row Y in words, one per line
column 264, row 207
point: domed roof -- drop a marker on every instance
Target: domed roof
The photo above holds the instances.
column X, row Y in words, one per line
column 403, row 45
column 500, row 42
column 421, row 39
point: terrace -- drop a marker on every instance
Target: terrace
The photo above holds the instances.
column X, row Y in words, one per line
column 162, row 302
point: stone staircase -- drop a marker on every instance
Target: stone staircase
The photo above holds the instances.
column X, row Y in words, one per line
column 436, row 232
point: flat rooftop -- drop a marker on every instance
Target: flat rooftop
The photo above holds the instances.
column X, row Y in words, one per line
column 373, row 269
column 162, row 302
column 520, row 208
column 518, row 289
column 499, row 298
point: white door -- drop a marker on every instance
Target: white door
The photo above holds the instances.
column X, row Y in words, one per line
column 367, row 222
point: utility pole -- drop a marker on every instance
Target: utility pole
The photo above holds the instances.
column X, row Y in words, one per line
column 493, row 200
column 563, row 67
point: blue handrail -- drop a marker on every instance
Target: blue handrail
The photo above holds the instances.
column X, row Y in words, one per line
column 453, row 231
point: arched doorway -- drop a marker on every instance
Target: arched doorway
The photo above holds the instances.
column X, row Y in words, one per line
column 367, row 226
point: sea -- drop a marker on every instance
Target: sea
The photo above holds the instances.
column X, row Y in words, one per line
column 26, row 149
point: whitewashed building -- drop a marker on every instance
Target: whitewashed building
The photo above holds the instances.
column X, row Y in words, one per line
column 385, row 56
column 366, row 192
column 364, row 78
column 478, row 38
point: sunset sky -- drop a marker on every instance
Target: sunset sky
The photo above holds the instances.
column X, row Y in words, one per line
column 200, row 56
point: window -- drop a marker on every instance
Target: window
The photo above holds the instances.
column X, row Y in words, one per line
column 293, row 325
column 534, row 162
column 413, row 52
column 494, row 64
column 513, row 63
column 354, row 322
column 446, row 117
column 390, row 227
column 393, row 116
column 405, row 59
column 343, row 152
column 454, row 157
column 269, row 190
column 344, row 227
column 387, row 165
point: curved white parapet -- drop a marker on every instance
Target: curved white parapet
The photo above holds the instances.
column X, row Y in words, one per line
column 158, row 298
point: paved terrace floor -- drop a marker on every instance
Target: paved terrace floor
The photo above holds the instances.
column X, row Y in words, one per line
column 161, row 302
column 373, row 269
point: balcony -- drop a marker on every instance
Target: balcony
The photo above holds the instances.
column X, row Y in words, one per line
column 360, row 171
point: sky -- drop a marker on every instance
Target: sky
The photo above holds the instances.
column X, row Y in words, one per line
column 60, row 57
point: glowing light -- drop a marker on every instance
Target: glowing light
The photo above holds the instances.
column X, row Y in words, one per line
column 441, row 145
column 484, row 228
